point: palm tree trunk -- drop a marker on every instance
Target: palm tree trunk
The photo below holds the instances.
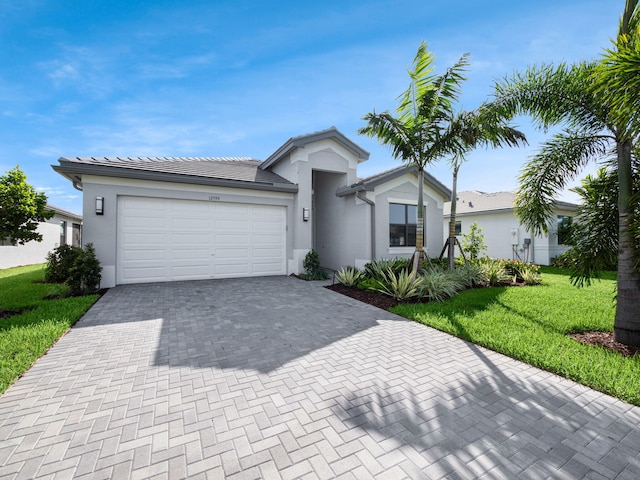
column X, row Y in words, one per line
column 626, row 328
column 419, row 257
column 451, row 241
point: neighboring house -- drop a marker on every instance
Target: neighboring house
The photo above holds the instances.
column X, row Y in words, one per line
column 164, row 219
column 64, row 228
column 503, row 233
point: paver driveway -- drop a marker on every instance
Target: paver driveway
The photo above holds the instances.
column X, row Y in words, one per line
column 280, row 378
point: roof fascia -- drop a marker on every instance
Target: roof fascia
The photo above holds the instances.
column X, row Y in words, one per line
column 75, row 171
column 303, row 140
column 369, row 185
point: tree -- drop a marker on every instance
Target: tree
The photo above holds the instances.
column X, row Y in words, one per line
column 595, row 228
column 427, row 127
column 484, row 126
column 473, row 241
column 575, row 97
column 21, row 208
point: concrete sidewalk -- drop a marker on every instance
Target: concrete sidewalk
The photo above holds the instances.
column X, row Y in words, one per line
column 280, row 378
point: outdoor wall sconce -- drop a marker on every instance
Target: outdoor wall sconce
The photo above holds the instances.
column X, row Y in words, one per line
column 305, row 214
column 99, row 205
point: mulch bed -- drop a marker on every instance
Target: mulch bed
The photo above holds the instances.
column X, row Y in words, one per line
column 605, row 340
column 599, row 339
column 376, row 299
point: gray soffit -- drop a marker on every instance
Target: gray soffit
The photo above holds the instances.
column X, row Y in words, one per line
column 238, row 172
column 373, row 181
column 303, row 140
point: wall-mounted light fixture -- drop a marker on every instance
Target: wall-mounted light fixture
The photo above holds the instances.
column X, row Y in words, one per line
column 305, row 214
column 99, row 205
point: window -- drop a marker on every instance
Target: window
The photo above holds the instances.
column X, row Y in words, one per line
column 403, row 220
column 564, row 230
column 76, row 234
column 63, row 233
column 458, row 228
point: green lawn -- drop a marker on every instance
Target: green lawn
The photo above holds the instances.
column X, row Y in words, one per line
column 532, row 323
column 27, row 336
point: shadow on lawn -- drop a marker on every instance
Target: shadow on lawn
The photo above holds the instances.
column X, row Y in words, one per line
column 513, row 426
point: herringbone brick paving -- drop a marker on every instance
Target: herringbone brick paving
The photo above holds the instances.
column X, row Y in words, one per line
column 279, row 378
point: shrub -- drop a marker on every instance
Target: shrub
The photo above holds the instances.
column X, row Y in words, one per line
column 59, row 263
column 565, row 260
column 84, row 276
column 77, row 268
column 368, row 284
column 400, row 286
column 438, row 285
column 377, row 269
column 469, row 274
column 312, row 268
column 349, row 276
column 494, row 272
column 519, row 270
column 531, row 277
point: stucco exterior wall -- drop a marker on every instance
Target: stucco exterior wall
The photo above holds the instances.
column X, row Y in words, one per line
column 34, row 252
column 404, row 190
column 497, row 227
column 298, row 167
column 342, row 231
column 101, row 230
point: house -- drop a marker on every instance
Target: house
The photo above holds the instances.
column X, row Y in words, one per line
column 64, row 228
column 503, row 233
column 163, row 219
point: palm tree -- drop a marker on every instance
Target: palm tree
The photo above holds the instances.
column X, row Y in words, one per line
column 574, row 97
column 427, row 127
column 484, row 126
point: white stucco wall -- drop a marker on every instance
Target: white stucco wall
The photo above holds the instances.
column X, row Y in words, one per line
column 323, row 156
column 497, row 227
column 404, row 190
column 34, row 252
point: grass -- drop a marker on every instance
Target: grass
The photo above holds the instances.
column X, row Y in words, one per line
column 27, row 336
column 532, row 323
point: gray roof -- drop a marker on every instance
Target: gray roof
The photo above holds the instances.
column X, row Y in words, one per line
column 473, row 201
column 371, row 182
column 218, row 171
column 64, row 213
column 302, row 140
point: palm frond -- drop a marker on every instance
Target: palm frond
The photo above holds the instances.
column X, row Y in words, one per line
column 392, row 132
column 548, row 173
column 421, row 81
column 438, row 102
column 554, row 95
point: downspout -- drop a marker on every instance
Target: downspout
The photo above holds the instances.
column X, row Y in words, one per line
column 77, row 185
column 373, row 221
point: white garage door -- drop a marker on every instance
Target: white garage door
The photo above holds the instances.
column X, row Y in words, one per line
column 163, row 240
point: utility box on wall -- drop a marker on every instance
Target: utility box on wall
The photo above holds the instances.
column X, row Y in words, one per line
column 515, row 240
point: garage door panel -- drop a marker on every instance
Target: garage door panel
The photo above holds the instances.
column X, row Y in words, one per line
column 143, row 254
column 166, row 239
column 231, row 239
column 186, row 239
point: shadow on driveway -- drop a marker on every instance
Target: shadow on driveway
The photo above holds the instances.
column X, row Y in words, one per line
column 260, row 323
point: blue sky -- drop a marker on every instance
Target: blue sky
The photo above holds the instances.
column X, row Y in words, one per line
column 239, row 78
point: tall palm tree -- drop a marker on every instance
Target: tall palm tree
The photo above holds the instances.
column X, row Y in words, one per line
column 484, row 126
column 573, row 96
column 416, row 135
column 427, row 126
